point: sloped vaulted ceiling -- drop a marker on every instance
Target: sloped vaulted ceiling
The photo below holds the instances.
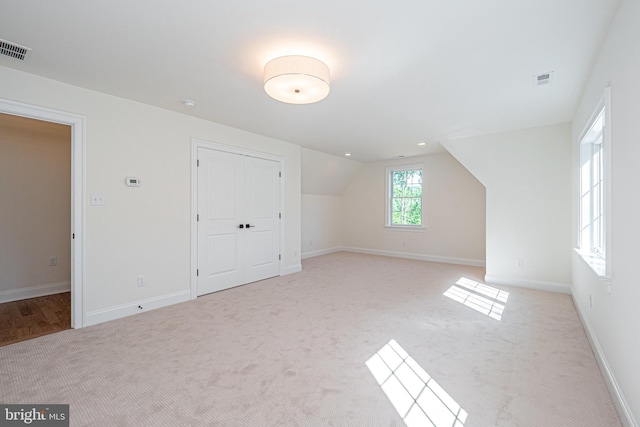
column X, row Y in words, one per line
column 401, row 72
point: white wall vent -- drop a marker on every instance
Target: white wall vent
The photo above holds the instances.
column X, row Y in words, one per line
column 14, row 50
column 543, row 79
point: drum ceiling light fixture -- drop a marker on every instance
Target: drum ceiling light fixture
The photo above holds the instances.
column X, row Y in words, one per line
column 296, row 79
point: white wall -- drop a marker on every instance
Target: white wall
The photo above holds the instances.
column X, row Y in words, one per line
column 321, row 224
column 454, row 213
column 326, row 174
column 145, row 230
column 527, row 177
column 615, row 318
column 324, row 178
column 35, row 207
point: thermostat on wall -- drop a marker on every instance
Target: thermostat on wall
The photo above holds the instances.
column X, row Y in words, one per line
column 132, row 182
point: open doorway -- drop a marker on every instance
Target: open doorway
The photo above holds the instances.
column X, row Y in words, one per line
column 35, row 228
column 72, row 233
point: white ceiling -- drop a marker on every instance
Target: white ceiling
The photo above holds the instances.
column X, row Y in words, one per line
column 402, row 72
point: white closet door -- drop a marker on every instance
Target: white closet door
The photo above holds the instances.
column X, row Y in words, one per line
column 238, row 226
column 262, row 202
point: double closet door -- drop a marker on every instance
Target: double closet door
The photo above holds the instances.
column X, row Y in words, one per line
column 238, row 219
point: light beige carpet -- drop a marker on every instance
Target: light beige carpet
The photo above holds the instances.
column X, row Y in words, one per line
column 315, row 349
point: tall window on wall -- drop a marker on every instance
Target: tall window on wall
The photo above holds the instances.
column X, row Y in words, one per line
column 405, row 197
column 593, row 192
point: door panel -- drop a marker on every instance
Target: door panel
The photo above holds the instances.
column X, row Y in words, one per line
column 262, row 201
column 260, row 197
column 235, row 189
column 220, row 242
column 261, row 248
column 222, row 200
column 221, row 257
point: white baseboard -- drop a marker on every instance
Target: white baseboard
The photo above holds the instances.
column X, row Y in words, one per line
column 626, row 416
column 112, row 313
column 327, row 251
column 291, row 269
column 419, row 257
column 530, row 284
column 34, row 291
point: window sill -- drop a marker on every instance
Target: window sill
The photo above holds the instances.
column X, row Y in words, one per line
column 420, row 229
column 597, row 264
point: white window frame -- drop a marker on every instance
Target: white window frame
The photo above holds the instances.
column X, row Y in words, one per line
column 389, row 197
column 594, row 239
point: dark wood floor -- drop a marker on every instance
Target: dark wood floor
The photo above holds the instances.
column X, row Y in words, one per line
column 34, row 317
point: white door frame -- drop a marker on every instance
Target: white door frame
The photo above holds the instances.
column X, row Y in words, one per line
column 78, row 177
column 201, row 143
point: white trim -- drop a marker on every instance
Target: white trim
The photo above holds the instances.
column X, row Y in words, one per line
column 420, row 257
column 129, row 309
column 624, row 411
column 607, row 183
column 297, row 268
column 595, row 264
column 413, row 228
column 78, row 186
column 194, row 221
column 34, row 291
column 562, row 288
column 201, row 143
column 211, row 145
column 312, row 254
column 604, row 102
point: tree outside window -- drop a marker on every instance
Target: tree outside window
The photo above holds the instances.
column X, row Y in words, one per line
column 405, row 193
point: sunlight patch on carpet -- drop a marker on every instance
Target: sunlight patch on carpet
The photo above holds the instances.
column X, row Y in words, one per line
column 417, row 397
column 478, row 296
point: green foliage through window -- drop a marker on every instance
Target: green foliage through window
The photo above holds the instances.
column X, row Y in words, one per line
column 406, row 197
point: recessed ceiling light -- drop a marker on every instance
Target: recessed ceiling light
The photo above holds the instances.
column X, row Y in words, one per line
column 422, row 143
column 189, row 103
column 347, row 154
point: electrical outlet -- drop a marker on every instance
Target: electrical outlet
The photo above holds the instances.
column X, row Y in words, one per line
column 141, row 280
column 53, row 261
column 520, row 263
column 97, row 200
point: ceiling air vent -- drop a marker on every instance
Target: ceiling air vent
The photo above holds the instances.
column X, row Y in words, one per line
column 543, row 79
column 14, row 51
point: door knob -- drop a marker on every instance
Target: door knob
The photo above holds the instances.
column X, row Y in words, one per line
column 241, row 226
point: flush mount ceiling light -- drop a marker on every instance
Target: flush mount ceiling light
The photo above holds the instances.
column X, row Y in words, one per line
column 296, row 79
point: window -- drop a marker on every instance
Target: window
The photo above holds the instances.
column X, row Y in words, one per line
column 404, row 197
column 593, row 194
column 591, row 188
